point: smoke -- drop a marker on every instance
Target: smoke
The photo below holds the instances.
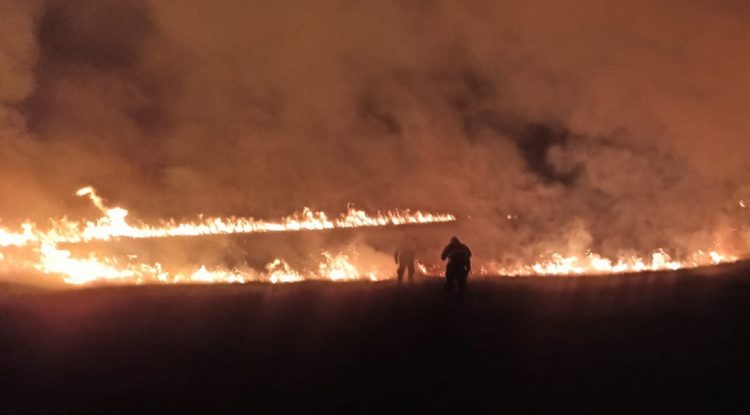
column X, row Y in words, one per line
column 571, row 125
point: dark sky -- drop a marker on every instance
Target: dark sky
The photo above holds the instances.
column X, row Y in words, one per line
column 602, row 125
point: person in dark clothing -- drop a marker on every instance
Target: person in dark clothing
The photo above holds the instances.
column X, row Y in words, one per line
column 459, row 265
column 404, row 257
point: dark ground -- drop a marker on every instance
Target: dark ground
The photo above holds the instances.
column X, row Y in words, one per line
column 647, row 343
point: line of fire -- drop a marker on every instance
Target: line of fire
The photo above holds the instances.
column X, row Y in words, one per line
column 353, row 246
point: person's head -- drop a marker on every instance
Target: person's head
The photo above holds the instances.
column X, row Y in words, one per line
column 454, row 241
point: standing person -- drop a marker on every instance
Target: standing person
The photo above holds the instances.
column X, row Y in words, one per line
column 404, row 256
column 459, row 265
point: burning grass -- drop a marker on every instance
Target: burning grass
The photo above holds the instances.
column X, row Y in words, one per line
column 41, row 251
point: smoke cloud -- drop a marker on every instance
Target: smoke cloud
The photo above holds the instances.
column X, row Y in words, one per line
column 566, row 126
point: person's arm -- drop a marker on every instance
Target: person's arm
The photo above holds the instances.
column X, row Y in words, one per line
column 445, row 253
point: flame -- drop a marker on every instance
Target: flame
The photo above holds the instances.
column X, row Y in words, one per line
column 44, row 254
column 591, row 263
column 331, row 267
column 23, row 238
column 113, row 224
column 279, row 272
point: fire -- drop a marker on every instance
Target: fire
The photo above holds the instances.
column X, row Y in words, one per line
column 280, row 272
column 80, row 271
column 114, row 224
column 592, row 263
column 23, row 238
column 49, row 258
column 331, row 267
column 43, row 254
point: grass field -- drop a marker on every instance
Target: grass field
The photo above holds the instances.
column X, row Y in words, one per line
column 646, row 343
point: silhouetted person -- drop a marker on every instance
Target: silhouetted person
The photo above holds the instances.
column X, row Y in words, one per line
column 459, row 265
column 404, row 256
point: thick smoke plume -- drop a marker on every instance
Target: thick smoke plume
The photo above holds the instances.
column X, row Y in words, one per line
column 567, row 126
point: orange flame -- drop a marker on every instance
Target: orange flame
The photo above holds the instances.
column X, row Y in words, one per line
column 591, row 263
column 48, row 258
column 51, row 259
column 114, row 224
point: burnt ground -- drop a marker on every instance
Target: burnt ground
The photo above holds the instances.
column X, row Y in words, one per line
column 647, row 343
